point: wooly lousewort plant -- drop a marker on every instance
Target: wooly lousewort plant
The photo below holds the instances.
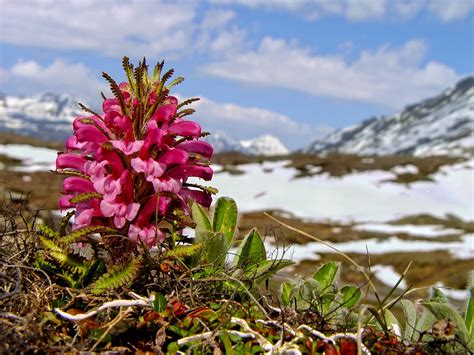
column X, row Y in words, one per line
column 127, row 172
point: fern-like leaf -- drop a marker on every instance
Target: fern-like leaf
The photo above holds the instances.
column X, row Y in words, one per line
column 116, row 91
column 43, row 264
column 88, row 110
column 44, row 230
column 72, row 173
column 185, row 112
column 128, row 68
column 175, row 82
column 188, row 102
column 65, row 222
column 79, row 234
column 70, row 262
column 183, row 251
column 117, row 276
column 86, row 196
column 157, row 71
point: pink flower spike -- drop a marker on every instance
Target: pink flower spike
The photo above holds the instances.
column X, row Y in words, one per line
column 185, row 128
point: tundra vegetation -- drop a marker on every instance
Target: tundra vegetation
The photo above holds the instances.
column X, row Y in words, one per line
column 141, row 262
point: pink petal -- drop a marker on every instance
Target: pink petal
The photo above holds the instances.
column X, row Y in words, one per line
column 201, row 197
column 107, row 208
column 183, row 172
column 174, row 157
column 132, row 210
column 77, row 185
column 64, row 202
column 71, row 161
column 164, row 113
column 128, row 148
column 198, row 147
column 185, row 129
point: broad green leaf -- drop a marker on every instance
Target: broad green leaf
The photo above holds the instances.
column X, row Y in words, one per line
column 214, row 249
column 468, row 317
column 200, row 218
column 308, row 291
column 350, row 296
column 266, row 268
column 251, row 251
column 425, row 322
column 159, row 303
column 392, row 322
column 448, row 312
column 439, row 296
column 409, row 310
column 286, row 290
column 225, row 218
column 327, row 275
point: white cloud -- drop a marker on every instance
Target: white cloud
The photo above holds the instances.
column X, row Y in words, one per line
column 359, row 10
column 364, row 10
column 388, row 76
column 217, row 18
column 28, row 77
column 451, row 10
column 112, row 28
column 248, row 122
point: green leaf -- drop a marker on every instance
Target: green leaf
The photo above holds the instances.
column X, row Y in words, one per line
column 266, row 268
column 327, row 275
column 182, row 251
column 392, row 321
column 175, row 82
column 159, row 303
column 86, row 196
column 214, row 248
column 200, row 218
column 70, row 262
column 448, row 312
column 307, row 292
column 468, row 317
column 438, row 296
column 79, row 234
column 350, row 296
column 286, row 291
column 251, row 251
column 117, row 276
column 94, row 271
column 225, row 218
column 409, row 310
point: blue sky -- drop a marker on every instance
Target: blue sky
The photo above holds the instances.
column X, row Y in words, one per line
column 295, row 69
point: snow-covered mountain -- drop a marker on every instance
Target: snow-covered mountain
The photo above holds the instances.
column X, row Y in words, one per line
column 439, row 125
column 263, row 145
column 48, row 116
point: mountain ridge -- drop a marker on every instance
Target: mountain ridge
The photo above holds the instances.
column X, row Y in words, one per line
column 442, row 124
column 49, row 117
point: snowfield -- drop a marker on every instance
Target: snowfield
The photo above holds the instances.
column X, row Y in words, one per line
column 355, row 197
